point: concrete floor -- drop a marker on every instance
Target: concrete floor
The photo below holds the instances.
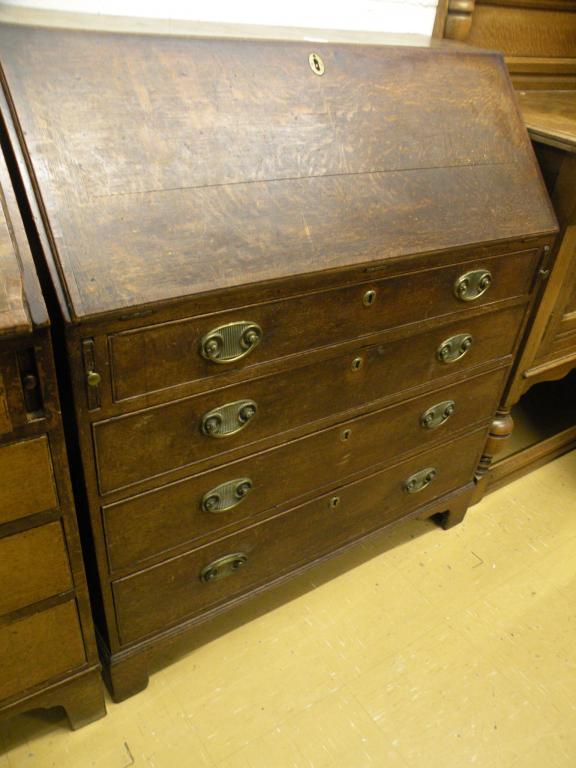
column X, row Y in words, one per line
column 424, row 649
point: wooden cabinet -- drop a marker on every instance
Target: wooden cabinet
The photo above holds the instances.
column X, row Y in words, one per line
column 47, row 649
column 289, row 300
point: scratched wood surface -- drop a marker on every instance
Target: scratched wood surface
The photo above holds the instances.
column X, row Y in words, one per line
column 173, row 166
column 14, row 317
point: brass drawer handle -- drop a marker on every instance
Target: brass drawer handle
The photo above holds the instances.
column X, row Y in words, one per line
column 454, row 348
column 437, row 414
column 226, row 496
column 223, row 566
column 471, row 285
column 231, row 342
column 420, row 480
column 228, row 419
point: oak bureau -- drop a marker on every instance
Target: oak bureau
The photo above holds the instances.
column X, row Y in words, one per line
column 291, row 280
column 48, row 654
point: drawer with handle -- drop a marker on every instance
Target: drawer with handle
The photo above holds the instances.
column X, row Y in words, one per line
column 153, row 441
column 161, row 356
column 163, row 595
column 206, row 504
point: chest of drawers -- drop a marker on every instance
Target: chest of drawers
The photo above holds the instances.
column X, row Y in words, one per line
column 291, row 279
column 48, row 653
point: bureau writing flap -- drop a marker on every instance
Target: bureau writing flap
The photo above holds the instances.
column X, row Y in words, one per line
column 170, row 166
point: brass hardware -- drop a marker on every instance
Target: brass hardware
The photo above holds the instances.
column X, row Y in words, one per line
column 334, row 502
column 223, row 566
column 231, row 342
column 357, row 363
column 454, row 348
column 93, row 379
column 420, row 480
column 29, row 382
column 471, row 285
column 345, row 435
column 316, row 63
column 438, row 414
column 228, row 419
column 369, row 298
column 544, row 274
column 29, row 368
column 226, row 496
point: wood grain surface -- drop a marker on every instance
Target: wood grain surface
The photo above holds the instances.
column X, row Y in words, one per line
column 173, row 166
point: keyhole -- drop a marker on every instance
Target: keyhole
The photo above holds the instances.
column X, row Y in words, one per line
column 316, row 64
column 345, row 435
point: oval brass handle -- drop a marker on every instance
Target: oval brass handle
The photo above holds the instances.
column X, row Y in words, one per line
column 471, row 285
column 437, row 414
column 420, row 480
column 228, row 419
column 226, row 496
column 454, row 348
column 223, row 566
column 231, row 342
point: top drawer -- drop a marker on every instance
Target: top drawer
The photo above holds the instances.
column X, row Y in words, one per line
column 156, row 357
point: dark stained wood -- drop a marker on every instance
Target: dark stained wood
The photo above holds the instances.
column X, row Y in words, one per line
column 151, row 442
column 48, row 653
column 173, row 184
column 151, row 523
column 159, row 597
column 263, row 174
column 332, row 314
column 538, row 38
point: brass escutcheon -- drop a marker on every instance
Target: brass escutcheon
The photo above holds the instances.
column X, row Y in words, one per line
column 228, row 419
column 334, row 502
column 471, row 285
column 437, row 415
column 357, row 363
column 226, row 496
column 223, row 566
column 369, row 298
column 454, row 348
column 316, row 63
column 230, row 342
column 420, row 480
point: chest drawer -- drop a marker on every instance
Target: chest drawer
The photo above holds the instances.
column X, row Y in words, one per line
column 33, row 566
column 27, row 483
column 165, row 594
column 148, row 443
column 161, row 356
column 153, row 522
column 40, row 647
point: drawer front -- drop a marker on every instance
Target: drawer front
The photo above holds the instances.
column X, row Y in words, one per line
column 27, row 483
column 148, row 443
column 33, row 566
column 40, row 647
column 165, row 594
column 157, row 357
column 153, row 522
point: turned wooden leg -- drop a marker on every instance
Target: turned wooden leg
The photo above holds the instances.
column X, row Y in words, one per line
column 126, row 676
column 83, row 700
column 500, row 432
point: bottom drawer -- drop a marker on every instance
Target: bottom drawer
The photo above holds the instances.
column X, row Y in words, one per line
column 161, row 596
column 40, row 647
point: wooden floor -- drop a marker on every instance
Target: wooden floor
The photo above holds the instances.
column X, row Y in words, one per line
column 425, row 648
